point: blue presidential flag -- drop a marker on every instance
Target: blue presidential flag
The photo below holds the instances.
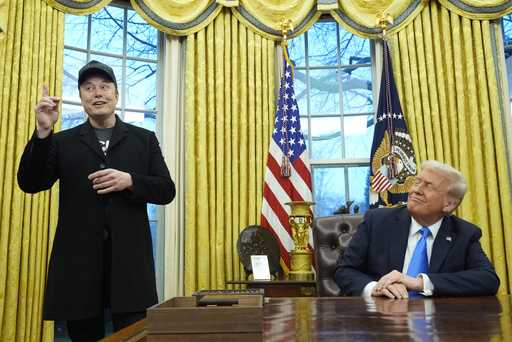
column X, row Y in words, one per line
column 393, row 165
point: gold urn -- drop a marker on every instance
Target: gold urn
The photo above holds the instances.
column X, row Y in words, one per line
column 300, row 221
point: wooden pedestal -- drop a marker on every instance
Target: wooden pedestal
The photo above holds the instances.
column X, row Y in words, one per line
column 220, row 318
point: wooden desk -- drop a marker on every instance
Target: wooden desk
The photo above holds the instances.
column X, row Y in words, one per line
column 354, row 319
column 280, row 288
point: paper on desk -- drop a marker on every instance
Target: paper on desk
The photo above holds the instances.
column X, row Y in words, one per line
column 260, row 268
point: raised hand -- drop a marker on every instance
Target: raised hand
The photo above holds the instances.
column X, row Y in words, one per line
column 47, row 113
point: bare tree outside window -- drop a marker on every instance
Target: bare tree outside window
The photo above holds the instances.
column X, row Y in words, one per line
column 119, row 37
column 334, row 90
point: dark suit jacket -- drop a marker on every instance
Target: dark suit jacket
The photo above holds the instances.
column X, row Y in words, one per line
column 74, row 288
column 458, row 265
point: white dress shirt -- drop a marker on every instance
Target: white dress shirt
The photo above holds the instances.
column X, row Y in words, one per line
column 414, row 236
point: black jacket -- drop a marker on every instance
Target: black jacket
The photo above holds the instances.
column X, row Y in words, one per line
column 74, row 288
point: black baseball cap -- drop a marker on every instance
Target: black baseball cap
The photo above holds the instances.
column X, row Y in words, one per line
column 94, row 68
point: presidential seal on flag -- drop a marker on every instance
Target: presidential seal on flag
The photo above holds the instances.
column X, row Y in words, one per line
column 393, row 165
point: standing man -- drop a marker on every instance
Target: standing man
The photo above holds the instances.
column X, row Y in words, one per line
column 420, row 250
column 108, row 171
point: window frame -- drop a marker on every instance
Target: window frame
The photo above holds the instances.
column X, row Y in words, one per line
column 507, row 47
column 121, row 108
column 343, row 162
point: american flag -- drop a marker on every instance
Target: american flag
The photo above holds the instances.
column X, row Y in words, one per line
column 287, row 176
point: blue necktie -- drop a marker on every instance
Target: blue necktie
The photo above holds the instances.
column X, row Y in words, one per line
column 419, row 260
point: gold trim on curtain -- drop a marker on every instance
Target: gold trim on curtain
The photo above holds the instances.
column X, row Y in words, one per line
column 78, row 7
column 265, row 16
column 445, row 67
column 31, row 54
column 229, row 104
column 176, row 11
column 361, row 17
column 363, row 21
column 175, row 17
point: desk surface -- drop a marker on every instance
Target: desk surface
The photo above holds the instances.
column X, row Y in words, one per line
column 273, row 282
column 354, row 319
column 336, row 319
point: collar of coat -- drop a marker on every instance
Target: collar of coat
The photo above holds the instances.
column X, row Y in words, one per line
column 88, row 136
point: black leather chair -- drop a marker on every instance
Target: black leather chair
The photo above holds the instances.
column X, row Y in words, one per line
column 331, row 235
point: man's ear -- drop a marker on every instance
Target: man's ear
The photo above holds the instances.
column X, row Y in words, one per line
column 450, row 204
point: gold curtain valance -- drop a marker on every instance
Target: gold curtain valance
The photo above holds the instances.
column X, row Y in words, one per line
column 361, row 16
column 181, row 17
column 177, row 17
column 479, row 9
column 265, row 16
column 78, row 7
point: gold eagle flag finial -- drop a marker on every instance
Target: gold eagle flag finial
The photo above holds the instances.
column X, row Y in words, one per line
column 384, row 22
column 286, row 26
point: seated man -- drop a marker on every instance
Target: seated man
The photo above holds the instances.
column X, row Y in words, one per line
column 421, row 249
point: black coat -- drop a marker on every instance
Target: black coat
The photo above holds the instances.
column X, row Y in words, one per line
column 458, row 265
column 74, row 288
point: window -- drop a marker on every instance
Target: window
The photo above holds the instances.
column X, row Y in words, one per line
column 333, row 87
column 507, row 42
column 119, row 37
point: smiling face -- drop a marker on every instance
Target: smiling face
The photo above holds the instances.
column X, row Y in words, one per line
column 99, row 98
column 429, row 199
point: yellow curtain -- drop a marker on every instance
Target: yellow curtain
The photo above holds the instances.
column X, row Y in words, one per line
column 31, row 54
column 450, row 85
column 229, row 106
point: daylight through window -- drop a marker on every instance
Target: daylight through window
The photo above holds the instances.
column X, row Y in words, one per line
column 333, row 87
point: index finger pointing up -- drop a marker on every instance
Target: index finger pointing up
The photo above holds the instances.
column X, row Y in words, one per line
column 46, row 92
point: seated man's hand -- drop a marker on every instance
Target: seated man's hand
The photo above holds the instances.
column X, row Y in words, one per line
column 412, row 284
column 393, row 291
column 388, row 279
column 395, row 277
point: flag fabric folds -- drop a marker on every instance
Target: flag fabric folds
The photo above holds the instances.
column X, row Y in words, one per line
column 393, row 164
column 287, row 175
